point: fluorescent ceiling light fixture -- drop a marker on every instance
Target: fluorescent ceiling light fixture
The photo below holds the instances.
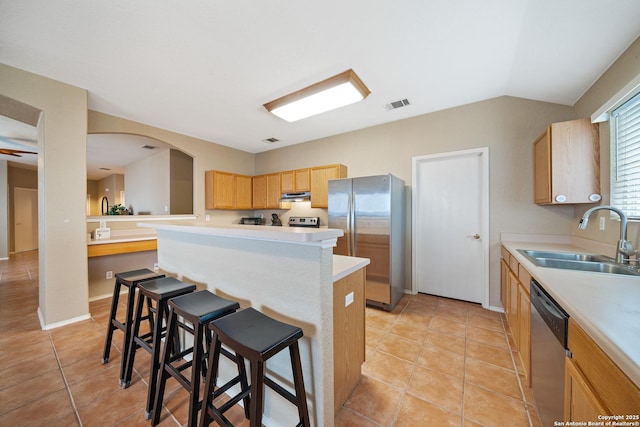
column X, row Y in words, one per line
column 334, row 92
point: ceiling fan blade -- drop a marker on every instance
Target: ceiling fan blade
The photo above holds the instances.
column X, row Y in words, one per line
column 15, row 153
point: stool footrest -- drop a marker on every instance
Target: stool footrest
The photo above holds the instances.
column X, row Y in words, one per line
column 281, row 390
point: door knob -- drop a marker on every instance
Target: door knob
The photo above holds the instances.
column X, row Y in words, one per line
column 475, row 236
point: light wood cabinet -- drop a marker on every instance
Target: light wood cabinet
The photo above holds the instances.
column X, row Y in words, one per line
column 224, row 190
column 348, row 335
column 594, row 384
column 320, row 177
column 524, row 329
column 566, row 163
column 295, row 180
column 514, row 294
column 266, row 191
column 580, row 400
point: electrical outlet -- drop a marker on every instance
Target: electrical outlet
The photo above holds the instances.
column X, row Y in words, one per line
column 348, row 299
column 603, row 221
column 155, row 266
column 207, row 218
column 109, row 275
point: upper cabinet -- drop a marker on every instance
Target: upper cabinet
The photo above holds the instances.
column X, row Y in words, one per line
column 320, row 177
column 295, row 181
column 266, row 191
column 566, row 164
column 224, row 190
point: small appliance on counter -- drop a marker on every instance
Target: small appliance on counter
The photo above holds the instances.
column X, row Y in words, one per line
column 275, row 220
column 251, row 221
column 304, row 221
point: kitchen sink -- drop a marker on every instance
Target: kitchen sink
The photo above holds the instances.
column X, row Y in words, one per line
column 595, row 266
column 531, row 254
column 580, row 262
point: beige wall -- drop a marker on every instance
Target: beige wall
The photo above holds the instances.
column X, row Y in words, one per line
column 508, row 126
column 625, row 69
column 206, row 155
column 62, row 140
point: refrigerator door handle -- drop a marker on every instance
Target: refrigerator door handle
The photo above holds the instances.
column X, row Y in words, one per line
column 354, row 232
column 349, row 235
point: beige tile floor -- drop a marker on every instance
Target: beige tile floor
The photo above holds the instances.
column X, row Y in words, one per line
column 431, row 362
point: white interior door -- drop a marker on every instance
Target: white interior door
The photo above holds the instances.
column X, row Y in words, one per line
column 450, row 225
column 25, row 219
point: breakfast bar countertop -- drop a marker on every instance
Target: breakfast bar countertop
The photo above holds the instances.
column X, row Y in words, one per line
column 606, row 306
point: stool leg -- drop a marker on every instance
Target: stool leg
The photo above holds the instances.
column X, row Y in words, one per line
column 257, row 393
column 244, row 384
column 161, row 309
column 129, row 357
column 163, row 375
column 196, row 367
column 210, row 382
column 298, row 380
column 128, row 321
column 112, row 319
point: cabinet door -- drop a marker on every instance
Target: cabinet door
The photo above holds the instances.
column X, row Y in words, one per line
column 524, row 330
column 580, row 400
column 260, row 192
column 273, row 191
column 287, row 181
column 320, row 177
column 542, row 168
column 219, row 190
column 575, row 161
column 512, row 315
column 504, row 284
column 243, row 193
column 302, row 179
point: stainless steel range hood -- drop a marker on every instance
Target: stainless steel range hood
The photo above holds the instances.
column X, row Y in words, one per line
column 303, row 196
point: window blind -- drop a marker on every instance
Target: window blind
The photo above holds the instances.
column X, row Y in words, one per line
column 625, row 176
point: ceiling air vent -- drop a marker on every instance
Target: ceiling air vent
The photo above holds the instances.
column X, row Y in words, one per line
column 270, row 140
column 397, row 104
column 149, row 147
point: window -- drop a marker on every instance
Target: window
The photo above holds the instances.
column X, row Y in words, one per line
column 625, row 157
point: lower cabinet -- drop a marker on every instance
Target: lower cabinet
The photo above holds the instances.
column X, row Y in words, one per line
column 594, row 384
column 514, row 294
column 580, row 400
column 348, row 334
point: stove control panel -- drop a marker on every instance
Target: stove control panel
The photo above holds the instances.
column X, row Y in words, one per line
column 304, row 221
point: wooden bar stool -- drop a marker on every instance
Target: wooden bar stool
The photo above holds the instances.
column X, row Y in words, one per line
column 129, row 279
column 157, row 291
column 196, row 310
column 255, row 337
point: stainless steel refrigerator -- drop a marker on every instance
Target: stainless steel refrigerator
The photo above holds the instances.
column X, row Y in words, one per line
column 371, row 211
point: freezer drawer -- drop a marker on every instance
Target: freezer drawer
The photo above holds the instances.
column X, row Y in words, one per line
column 378, row 292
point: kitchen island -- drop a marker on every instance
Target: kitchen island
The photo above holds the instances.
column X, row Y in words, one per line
column 288, row 274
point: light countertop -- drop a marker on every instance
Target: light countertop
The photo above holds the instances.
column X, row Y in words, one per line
column 345, row 265
column 606, row 306
column 260, row 232
column 123, row 236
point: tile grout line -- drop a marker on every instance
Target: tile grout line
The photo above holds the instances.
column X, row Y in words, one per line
column 64, row 379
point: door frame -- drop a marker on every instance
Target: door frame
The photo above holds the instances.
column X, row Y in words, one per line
column 483, row 152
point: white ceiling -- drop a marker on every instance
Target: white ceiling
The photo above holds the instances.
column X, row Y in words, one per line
column 205, row 69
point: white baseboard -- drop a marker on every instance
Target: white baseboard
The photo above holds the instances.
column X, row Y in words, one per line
column 46, row 327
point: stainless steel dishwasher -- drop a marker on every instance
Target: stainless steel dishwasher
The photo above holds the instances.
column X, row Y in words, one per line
column 549, row 323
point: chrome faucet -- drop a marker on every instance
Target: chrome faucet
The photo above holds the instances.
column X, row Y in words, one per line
column 624, row 246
